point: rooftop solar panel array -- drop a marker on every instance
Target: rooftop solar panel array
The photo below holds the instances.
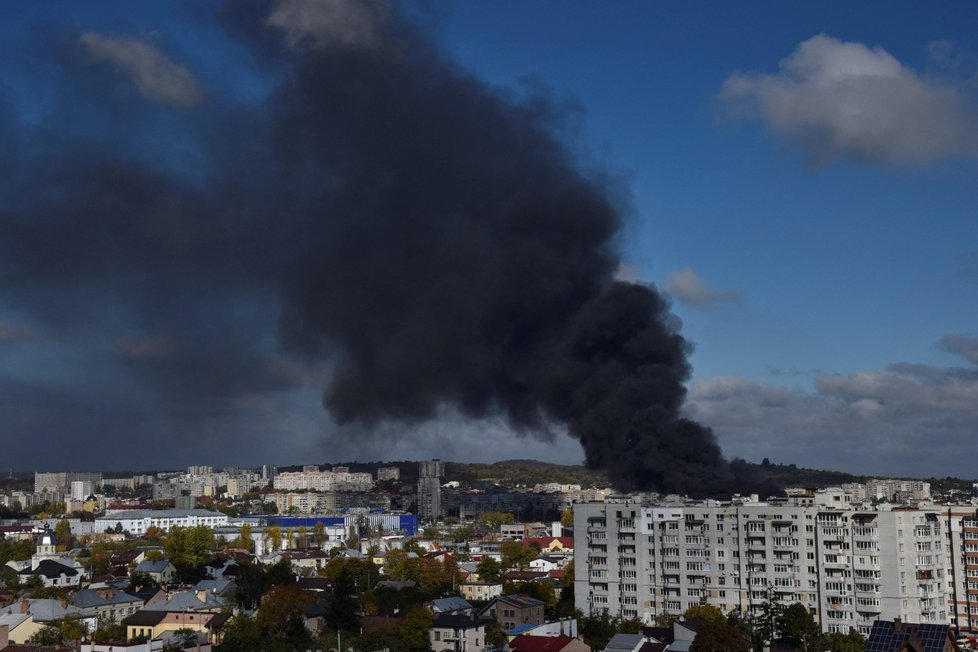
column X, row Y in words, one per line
column 885, row 638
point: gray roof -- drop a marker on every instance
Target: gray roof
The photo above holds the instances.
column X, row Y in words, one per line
column 626, row 642
column 147, row 566
column 91, row 598
column 444, row 605
column 186, row 601
column 45, row 610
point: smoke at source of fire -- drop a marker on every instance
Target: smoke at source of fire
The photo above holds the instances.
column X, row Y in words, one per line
column 429, row 234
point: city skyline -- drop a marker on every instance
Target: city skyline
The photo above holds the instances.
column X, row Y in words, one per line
column 801, row 196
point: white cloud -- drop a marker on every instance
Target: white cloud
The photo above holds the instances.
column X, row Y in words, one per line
column 903, row 419
column 329, row 23
column 686, row 286
column 157, row 77
column 841, row 100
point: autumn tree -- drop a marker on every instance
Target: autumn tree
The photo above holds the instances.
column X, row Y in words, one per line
column 319, row 534
column 273, row 535
column 62, row 534
column 280, row 616
column 706, row 612
column 244, row 540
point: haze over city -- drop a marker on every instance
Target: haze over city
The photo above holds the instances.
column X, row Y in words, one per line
column 207, row 225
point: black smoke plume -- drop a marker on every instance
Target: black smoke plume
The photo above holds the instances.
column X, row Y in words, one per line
column 428, row 237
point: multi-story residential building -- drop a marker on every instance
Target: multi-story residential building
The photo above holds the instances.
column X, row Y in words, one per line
column 429, row 489
column 848, row 567
column 61, row 481
column 312, row 479
column 388, row 473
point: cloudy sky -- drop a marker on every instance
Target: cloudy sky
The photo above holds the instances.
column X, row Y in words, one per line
column 800, row 181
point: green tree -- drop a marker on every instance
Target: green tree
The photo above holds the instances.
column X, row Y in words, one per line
column 59, row 631
column 766, row 622
column 851, row 642
column 342, row 609
column 516, row 555
column 706, row 612
column 109, row 632
column 188, row 548
column 493, row 520
column 242, row 634
column 489, row 570
column 9, row 578
column 798, row 626
column 719, row 637
column 597, row 629
column 413, row 631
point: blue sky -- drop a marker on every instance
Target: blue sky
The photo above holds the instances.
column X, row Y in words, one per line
column 801, row 183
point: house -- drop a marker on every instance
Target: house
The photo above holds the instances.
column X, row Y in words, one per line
column 524, row 575
column 52, row 573
column 683, row 633
column 160, row 570
column 562, row 643
column 154, row 624
column 451, row 605
column 512, row 610
column 120, row 562
column 480, row 591
column 898, row 636
column 109, row 604
column 28, row 617
column 451, row 632
column 196, row 601
column 551, row 545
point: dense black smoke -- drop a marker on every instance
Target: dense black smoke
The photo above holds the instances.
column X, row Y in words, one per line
column 429, row 237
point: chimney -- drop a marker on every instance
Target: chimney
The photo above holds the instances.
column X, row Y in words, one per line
column 897, row 625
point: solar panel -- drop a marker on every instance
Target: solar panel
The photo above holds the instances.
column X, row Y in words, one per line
column 885, row 638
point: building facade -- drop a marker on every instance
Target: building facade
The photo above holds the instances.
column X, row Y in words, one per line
column 848, row 567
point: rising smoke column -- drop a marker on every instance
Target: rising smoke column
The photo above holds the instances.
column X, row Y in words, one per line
column 463, row 259
column 427, row 238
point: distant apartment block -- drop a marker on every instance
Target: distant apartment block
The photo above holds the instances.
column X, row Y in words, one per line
column 386, row 473
column 312, row 479
column 849, row 567
column 429, row 489
column 61, row 481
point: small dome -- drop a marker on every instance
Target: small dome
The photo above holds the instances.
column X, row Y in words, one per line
column 46, row 539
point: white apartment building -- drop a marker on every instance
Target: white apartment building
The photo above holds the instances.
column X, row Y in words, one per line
column 849, row 567
column 315, row 480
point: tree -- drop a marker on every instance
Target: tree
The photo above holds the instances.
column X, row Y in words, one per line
column 798, row 626
column 567, row 518
column 414, row 630
column 59, row 631
column 706, row 612
column 62, row 534
column 719, row 637
column 280, row 616
column 493, row 520
column 766, row 623
column 516, row 555
column 242, row 634
column 489, row 570
column 341, row 610
column 188, row 548
column 244, row 540
column 319, row 534
column 273, row 535
column 851, row 642
column 109, row 632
